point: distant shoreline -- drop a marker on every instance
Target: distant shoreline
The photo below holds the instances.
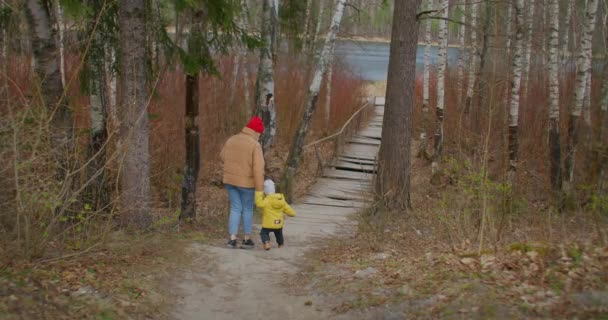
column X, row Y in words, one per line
column 387, row 41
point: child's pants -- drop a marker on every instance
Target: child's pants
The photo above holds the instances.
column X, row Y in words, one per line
column 278, row 233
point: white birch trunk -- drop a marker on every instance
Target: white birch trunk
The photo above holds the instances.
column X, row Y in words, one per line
column 509, row 44
column 583, row 68
column 426, row 73
column 554, row 61
column 528, row 51
column 307, row 18
column 461, row 57
column 515, row 88
column 60, row 40
column 566, row 32
column 472, row 57
column 295, row 153
column 318, row 26
column 442, row 64
column 265, row 78
column 426, row 79
column 330, row 74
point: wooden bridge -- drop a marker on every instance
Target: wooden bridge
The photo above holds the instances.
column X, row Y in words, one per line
column 345, row 185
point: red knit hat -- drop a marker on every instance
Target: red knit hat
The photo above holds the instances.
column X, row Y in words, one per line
column 256, row 124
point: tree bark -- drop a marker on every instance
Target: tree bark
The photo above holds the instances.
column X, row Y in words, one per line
column 461, row 57
column 515, row 88
column 265, row 79
column 472, row 58
column 330, row 74
column 566, row 31
column 442, row 64
column 554, row 135
column 310, row 103
column 51, row 93
column 135, row 195
column 192, row 165
column 60, row 39
column 393, row 182
column 583, row 68
column 426, row 81
column 526, row 63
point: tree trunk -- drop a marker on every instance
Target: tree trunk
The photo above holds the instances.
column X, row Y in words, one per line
column 583, row 68
column 442, row 64
column 47, row 70
column 461, row 56
column 60, row 39
column 528, row 50
column 393, row 183
column 310, row 103
column 566, row 31
column 318, row 27
column 554, row 141
column 426, row 80
column 192, row 165
column 472, row 58
column 515, row 88
column 265, row 79
column 330, row 74
column 135, row 195
column 305, row 32
column 509, row 44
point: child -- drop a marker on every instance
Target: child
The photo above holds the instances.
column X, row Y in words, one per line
column 273, row 206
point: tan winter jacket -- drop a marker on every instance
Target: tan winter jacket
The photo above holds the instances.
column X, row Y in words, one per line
column 243, row 160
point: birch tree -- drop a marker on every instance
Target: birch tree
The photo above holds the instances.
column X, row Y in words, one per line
column 394, row 167
column 310, row 103
column 461, row 55
column 583, row 68
column 135, row 197
column 442, row 64
column 426, row 80
column 60, row 39
column 515, row 88
column 46, row 67
column 554, row 132
column 566, row 31
column 264, row 94
column 528, row 50
column 330, row 74
column 472, row 57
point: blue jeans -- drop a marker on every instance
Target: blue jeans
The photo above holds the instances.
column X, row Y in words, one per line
column 241, row 205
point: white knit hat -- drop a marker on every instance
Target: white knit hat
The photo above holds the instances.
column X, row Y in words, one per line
column 268, row 186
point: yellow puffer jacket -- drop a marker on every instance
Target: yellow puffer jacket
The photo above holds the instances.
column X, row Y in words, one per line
column 273, row 206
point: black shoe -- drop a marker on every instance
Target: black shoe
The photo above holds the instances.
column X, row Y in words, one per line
column 247, row 244
column 232, row 244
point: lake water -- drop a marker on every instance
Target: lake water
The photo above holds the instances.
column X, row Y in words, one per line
column 370, row 59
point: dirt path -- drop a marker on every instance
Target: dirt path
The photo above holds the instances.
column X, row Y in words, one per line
column 238, row 284
column 229, row 283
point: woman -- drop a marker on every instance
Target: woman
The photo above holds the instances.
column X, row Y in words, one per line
column 243, row 175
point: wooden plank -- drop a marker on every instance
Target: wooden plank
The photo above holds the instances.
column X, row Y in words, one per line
column 340, row 193
column 350, row 175
column 379, row 101
column 358, row 161
column 353, row 166
column 307, row 207
column 345, row 185
column 332, row 202
column 371, row 132
column 364, row 140
column 355, row 150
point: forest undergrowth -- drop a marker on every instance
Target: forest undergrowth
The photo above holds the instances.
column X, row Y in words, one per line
column 87, row 265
